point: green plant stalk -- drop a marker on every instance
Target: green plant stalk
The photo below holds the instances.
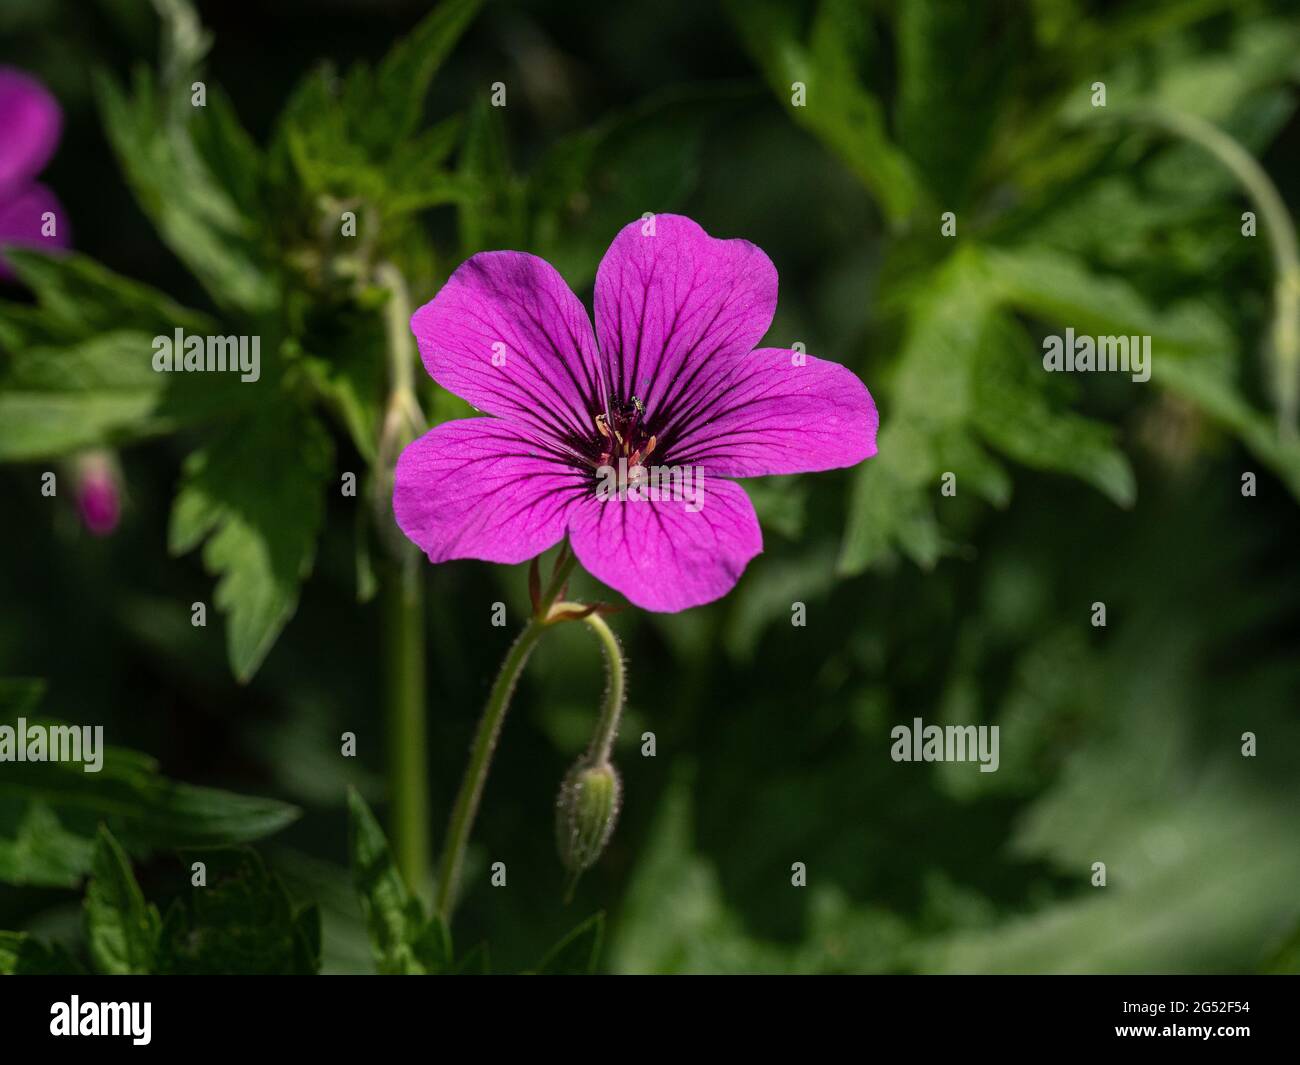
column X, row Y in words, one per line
column 1281, row 233
column 403, row 420
column 405, row 725
column 611, row 711
column 406, row 736
column 485, row 741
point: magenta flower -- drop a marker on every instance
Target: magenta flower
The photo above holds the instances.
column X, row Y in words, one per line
column 30, row 117
column 668, row 381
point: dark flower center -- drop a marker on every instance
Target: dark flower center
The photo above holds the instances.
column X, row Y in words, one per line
column 622, row 433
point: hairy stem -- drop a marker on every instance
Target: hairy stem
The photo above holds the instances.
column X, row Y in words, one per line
column 485, row 741
column 1277, row 224
column 611, row 711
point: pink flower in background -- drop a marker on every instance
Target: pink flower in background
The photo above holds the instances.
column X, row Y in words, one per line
column 98, row 491
column 668, row 378
column 31, row 122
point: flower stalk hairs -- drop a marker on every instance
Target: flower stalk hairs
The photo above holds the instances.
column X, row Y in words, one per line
column 624, row 441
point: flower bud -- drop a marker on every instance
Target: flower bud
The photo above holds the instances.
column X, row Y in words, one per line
column 98, row 492
column 585, row 813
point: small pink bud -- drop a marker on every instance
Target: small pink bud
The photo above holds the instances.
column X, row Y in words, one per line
column 99, row 492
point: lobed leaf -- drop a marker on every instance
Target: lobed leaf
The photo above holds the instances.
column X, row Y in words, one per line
column 404, row 941
column 255, row 494
column 122, row 930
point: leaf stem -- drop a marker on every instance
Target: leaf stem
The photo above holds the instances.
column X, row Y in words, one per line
column 485, row 739
column 1281, row 232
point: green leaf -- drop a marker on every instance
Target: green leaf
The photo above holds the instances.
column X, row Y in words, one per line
column 414, row 176
column 1176, row 71
column 968, row 371
column 578, row 953
column 947, row 51
column 403, row 940
column 103, row 391
column 122, row 929
column 929, row 403
column 24, row 955
column 80, row 369
column 839, row 110
column 344, row 362
column 395, row 103
column 1062, row 290
column 51, row 812
column 48, row 813
column 236, row 163
column 353, row 142
column 36, row 846
column 194, row 186
column 1194, row 354
column 329, row 160
column 256, row 495
column 78, row 297
column 242, row 922
column 1200, row 848
column 1152, row 209
column 1155, row 56
column 495, row 217
column 1208, row 379
column 592, row 183
column 310, row 131
column 1013, row 412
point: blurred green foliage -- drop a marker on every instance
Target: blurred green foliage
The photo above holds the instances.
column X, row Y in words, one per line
column 1119, row 744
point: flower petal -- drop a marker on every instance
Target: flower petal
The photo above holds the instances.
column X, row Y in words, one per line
column 661, row 555
column 481, row 488
column 22, row 218
column 507, row 335
column 32, row 121
column 669, row 300
column 774, row 411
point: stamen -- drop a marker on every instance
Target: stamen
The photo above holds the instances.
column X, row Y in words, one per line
column 621, row 435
